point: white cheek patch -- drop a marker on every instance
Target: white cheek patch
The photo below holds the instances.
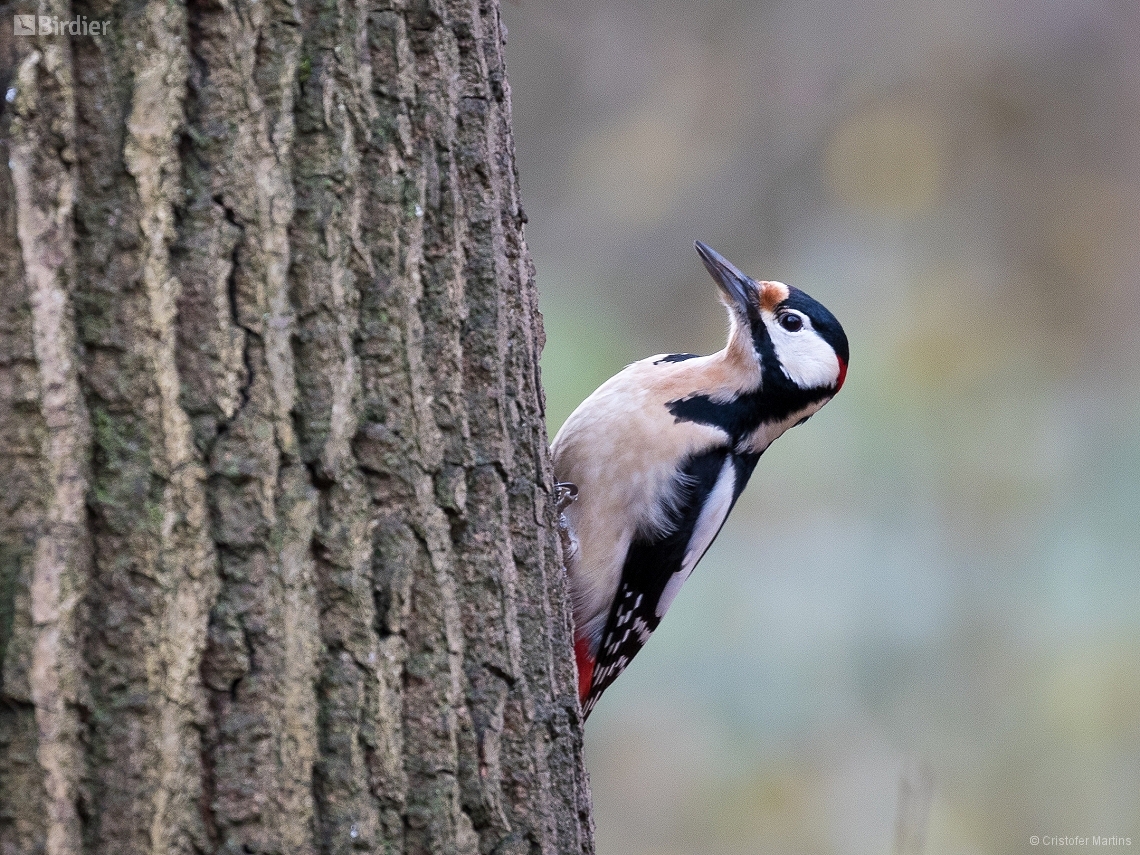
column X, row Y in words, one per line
column 808, row 360
column 708, row 525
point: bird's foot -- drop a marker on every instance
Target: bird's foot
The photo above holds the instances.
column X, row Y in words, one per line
column 565, row 494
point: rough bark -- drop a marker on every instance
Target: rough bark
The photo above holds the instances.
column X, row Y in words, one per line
column 278, row 569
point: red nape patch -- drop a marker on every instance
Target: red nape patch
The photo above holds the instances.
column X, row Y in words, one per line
column 585, row 668
column 842, row 374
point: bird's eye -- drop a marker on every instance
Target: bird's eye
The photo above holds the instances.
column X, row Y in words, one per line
column 791, row 321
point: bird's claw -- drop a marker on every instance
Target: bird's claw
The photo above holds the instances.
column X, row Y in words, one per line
column 565, row 494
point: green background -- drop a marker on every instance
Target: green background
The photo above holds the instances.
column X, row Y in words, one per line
column 938, row 577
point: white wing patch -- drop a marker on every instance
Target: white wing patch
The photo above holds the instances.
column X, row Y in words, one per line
column 704, row 532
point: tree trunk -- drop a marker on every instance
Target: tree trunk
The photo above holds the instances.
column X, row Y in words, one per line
column 278, row 569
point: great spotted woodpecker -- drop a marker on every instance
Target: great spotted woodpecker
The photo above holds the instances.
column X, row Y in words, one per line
column 662, row 450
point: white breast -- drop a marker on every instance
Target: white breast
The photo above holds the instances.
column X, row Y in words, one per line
column 621, row 448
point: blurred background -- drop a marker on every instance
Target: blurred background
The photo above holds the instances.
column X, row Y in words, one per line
column 940, row 572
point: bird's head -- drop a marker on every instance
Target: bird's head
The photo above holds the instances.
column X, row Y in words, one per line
column 781, row 327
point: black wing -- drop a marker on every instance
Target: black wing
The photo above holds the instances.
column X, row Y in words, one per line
column 652, row 561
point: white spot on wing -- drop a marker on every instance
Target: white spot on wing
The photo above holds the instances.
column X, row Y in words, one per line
column 643, row 631
column 704, row 532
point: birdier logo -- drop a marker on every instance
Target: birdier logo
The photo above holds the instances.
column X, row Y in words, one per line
column 51, row 25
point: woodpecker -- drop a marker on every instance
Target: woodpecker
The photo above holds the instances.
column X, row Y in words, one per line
column 661, row 451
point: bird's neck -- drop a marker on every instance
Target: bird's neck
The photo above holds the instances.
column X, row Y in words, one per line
column 750, row 403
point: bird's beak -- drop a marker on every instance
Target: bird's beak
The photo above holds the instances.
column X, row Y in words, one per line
column 735, row 285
